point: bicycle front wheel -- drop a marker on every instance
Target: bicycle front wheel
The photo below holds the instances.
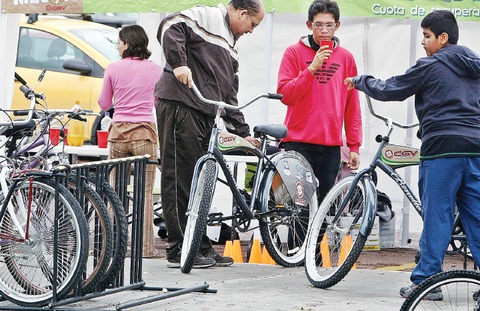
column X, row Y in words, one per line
column 285, row 226
column 460, row 290
column 201, row 196
column 26, row 266
column 333, row 247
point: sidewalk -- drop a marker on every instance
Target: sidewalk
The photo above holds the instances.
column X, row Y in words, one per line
column 257, row 287
column 373, row 286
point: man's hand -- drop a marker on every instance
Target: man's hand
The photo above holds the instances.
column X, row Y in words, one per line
column 253, row 141
column 353, row 161
column 184, row 75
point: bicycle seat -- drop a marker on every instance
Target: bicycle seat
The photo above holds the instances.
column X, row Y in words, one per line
column 275, row 130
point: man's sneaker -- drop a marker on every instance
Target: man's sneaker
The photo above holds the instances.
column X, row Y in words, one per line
column 220, row 261
column 476, row 295
column 435, row 294
column 173, row 258
column 200, row 262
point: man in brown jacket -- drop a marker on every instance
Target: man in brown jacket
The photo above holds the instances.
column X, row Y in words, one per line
column 199, row 44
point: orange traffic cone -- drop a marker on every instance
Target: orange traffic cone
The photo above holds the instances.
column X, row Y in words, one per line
column 237, row 252
column 345, row 248
column 325, row 252
column 266, row 259
column 255, row 252
column 228, row 249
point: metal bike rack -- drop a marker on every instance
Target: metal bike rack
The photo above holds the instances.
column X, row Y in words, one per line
column 121, row 172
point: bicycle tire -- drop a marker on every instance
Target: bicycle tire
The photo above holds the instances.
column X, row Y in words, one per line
column 120, row 236
column 285, row 227
column 100, row 233
column 26, row 271
column 458, row 289
column 201, row 196
column 342, row 246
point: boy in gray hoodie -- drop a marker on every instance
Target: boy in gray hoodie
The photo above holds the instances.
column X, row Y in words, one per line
column 446, row 85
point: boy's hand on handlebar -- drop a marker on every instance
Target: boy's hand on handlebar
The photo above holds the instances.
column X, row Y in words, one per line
column 253, row 141
column 353, row 161
column 349, row 83
column 184, row 75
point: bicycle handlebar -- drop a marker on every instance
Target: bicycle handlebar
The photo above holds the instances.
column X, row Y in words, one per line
column 388, row 120
column 222, row 104
column 30, row 94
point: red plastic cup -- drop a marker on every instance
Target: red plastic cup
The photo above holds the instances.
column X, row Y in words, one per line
column 102, row 139
column 329, row 43
column 54, row 135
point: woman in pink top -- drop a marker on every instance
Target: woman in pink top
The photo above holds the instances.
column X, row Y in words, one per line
column 129, row 82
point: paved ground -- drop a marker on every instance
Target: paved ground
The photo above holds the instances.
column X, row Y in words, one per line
column 373, row 286
column 259, row 287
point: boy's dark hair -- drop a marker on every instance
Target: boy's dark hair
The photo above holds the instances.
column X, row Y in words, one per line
column 442, row 21
column 137, row 40
column 252, row 6
column 324, row 6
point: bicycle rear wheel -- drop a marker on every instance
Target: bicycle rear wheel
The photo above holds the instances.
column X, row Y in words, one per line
column 26, row 267
column 120, row 235
column 460, row 290
column 285, row 226
column 333, row 247
column 201, row 196
column 100, row 234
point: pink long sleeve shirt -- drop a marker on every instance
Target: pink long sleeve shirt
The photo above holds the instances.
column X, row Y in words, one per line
column 130, row 83
column 319, row 105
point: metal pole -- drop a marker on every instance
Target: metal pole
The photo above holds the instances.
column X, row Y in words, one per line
column 409, row 138
column 267, row 66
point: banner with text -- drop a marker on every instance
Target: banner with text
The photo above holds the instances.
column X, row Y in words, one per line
column 42, row 6
column 465, row 10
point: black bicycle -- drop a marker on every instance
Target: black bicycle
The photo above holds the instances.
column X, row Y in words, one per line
column 284, row 189
column 346, row 216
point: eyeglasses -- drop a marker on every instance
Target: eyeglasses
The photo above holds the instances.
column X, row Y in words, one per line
column 329, row 26
column 254, row 24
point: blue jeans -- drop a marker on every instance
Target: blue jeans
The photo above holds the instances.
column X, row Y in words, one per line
column 443, row 184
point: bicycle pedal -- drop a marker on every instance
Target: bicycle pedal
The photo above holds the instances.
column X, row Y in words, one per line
column 215, row 219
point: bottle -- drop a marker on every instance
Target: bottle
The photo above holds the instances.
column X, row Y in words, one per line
column 105, row 123
column 76, row 129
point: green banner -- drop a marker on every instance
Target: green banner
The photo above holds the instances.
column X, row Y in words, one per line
column 465, row 10
column 142, row 6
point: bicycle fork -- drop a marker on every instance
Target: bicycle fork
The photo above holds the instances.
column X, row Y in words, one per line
column 369, row 210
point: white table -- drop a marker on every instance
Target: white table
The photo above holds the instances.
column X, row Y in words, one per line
column 85, row 150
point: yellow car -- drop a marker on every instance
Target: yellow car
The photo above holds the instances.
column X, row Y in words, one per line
column 75, row 54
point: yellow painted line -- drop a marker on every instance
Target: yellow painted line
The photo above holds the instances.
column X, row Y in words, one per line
column 398, row 268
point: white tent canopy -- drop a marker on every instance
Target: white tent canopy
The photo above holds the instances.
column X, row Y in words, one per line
column 381, row 46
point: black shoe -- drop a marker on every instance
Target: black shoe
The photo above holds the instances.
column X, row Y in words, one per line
column 173, row 258
column 476, row 295
column 220, row 261
column 435, row 294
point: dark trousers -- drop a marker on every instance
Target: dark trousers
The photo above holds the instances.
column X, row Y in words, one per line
column 183, row 136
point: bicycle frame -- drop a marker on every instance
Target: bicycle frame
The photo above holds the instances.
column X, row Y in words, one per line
column 385, row 160
column 231, row 142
